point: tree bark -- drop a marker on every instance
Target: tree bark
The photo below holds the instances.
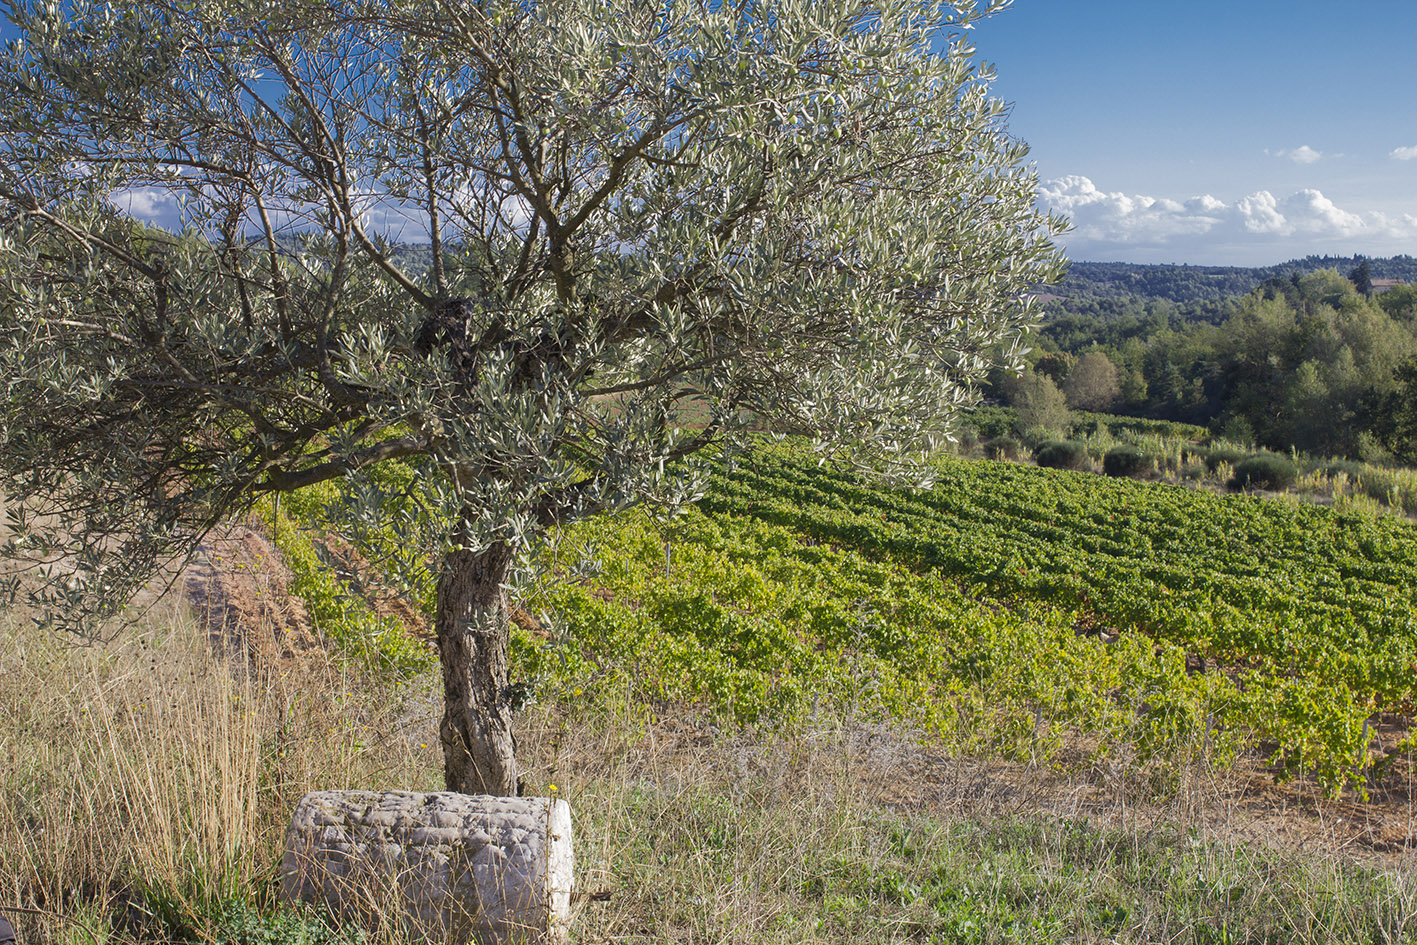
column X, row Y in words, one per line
column 472, row 626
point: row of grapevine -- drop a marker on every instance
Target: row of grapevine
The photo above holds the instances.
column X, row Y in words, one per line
column 750, row 619
column 1232, row 578
column 973, row 608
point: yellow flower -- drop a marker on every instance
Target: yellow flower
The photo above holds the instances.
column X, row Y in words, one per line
column 551, row 787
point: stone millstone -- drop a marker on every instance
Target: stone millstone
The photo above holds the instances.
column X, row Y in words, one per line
column 441, row 867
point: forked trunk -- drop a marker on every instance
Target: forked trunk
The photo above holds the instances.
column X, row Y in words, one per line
column 472, row 627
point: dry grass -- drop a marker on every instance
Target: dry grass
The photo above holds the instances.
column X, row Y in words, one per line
column 145, row 786
column 845, row 832
column 148, row 780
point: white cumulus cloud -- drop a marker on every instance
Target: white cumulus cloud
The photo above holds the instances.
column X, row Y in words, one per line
column 1205, row 203
column 1403, row 154
column 1309, row 211
column 156, row 205
column 1255, row 228
column 1259, row 213
column 1300, row 155
column 1122, row 217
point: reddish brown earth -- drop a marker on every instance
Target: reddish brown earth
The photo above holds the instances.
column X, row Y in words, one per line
column 239, row 588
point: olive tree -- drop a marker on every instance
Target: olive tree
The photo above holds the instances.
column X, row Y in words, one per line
column 543, row 250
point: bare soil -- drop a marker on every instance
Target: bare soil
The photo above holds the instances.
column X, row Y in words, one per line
column 1241, row 804
column 239, row 588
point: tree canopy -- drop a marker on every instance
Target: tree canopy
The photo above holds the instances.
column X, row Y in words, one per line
column 647, row 226
column 1306, row 362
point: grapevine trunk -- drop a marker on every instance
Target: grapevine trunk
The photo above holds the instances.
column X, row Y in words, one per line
column 472, row 625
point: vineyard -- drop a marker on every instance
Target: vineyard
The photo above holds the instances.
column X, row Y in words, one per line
column 1009, row 609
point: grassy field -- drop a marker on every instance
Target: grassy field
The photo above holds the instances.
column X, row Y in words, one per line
column 146, row 787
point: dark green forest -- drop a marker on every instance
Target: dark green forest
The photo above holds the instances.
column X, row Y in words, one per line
column 1090, row 281
column 1291, row 356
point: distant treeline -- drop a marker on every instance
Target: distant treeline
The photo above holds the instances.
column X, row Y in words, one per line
column 1301, row 360
column 1190, row 284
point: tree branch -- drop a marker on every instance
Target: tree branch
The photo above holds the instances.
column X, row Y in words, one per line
column 278, row 480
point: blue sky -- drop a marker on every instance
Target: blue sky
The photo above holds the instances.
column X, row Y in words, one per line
column 1221, row 132
column 1244, row 132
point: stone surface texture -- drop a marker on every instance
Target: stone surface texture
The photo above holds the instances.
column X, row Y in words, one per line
column 442, row 867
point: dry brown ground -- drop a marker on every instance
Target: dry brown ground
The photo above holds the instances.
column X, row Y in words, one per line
column 1241, row 804
column 239, row 589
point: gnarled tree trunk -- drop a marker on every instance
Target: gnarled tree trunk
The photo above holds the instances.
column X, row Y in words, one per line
column 472, row 625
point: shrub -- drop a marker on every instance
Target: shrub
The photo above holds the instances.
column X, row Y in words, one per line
column 1063, row 454
column 992, row 421
column 1378, row 483
column 1003, row 447
column 1039, row 405
column 1091, row 423
column 1264, row 471
column 1353, row 470
column 1126, row 461
column 1236, row 429
column 1223, row 454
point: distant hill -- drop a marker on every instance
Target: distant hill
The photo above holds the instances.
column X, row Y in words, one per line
column 1186, row 285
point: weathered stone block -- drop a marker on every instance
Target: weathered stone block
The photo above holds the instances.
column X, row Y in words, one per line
column 442, row 867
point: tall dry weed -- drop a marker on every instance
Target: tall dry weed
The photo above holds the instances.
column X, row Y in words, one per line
column 847, row 831
column 148, row 781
